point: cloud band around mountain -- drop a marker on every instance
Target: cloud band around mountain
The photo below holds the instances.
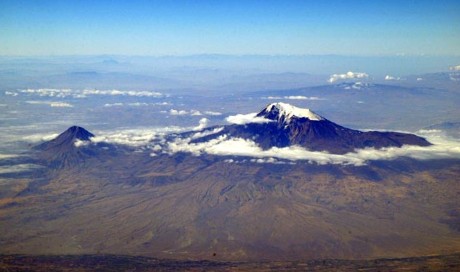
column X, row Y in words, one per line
column 226, row 146
column 154, row 140
column 241, row 119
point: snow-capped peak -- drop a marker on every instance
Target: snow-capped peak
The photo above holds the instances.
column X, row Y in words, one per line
column 285, row 112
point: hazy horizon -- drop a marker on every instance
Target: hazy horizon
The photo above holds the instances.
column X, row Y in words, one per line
column 396, row 65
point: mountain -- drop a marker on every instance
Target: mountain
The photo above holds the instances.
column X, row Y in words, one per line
column 287, row 125
column 66, row 149
column 399, row 105
column 67, row 140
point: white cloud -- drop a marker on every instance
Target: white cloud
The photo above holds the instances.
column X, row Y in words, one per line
column 389, row 78
column 61, row 93
column 202, row 124
column 241, row 119
column 265, row 160
column 223, row 145
column 357, row 86
column 455, row 68
column 121, row 93
column 8, row 156
column 178, row 112
column 126, row 137
column 55, row 104
column 61, row 105
column 79, row 143
column 136, row 104
column 349, row 75
column 212, row 113
column 113, row 104
column 204, row 133
column 34, row 138
column 11, row 93
column 419, row 79
column 193, row 112
column 48, row 92
column 135, row 136
column 18, row 168
column 162, row 104
column 293, row 97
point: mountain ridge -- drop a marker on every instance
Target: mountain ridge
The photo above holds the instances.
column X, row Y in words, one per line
column 309, row 130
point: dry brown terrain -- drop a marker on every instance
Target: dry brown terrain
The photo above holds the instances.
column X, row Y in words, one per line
column 186, row 207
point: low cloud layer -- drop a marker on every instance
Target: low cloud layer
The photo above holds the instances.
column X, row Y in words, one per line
column 212, row 113
column 136, row 104
column 224, row 146
column 36, row 138
column 202, row 124
column 349, row 75
column 8, row 156
column 356, row 86
column 292, row 97
column 122, row 93
column 62, row 93
column 54, row 104
column 241, row 119
column 193, row 112
column 455, row 68
column 155, row 140
column 17, row 168
column 184, row 112
column 136, row 137
column 391, row 78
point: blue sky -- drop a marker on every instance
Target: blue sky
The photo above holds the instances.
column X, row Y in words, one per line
column 229, row 27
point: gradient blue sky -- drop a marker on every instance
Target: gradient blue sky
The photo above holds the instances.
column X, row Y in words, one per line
column 229, row 27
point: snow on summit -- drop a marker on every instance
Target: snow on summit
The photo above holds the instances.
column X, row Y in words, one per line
column 274, row 112
column 287, row 111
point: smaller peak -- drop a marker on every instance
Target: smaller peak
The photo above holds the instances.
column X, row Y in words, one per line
column 66, row 140
column 285, row 112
